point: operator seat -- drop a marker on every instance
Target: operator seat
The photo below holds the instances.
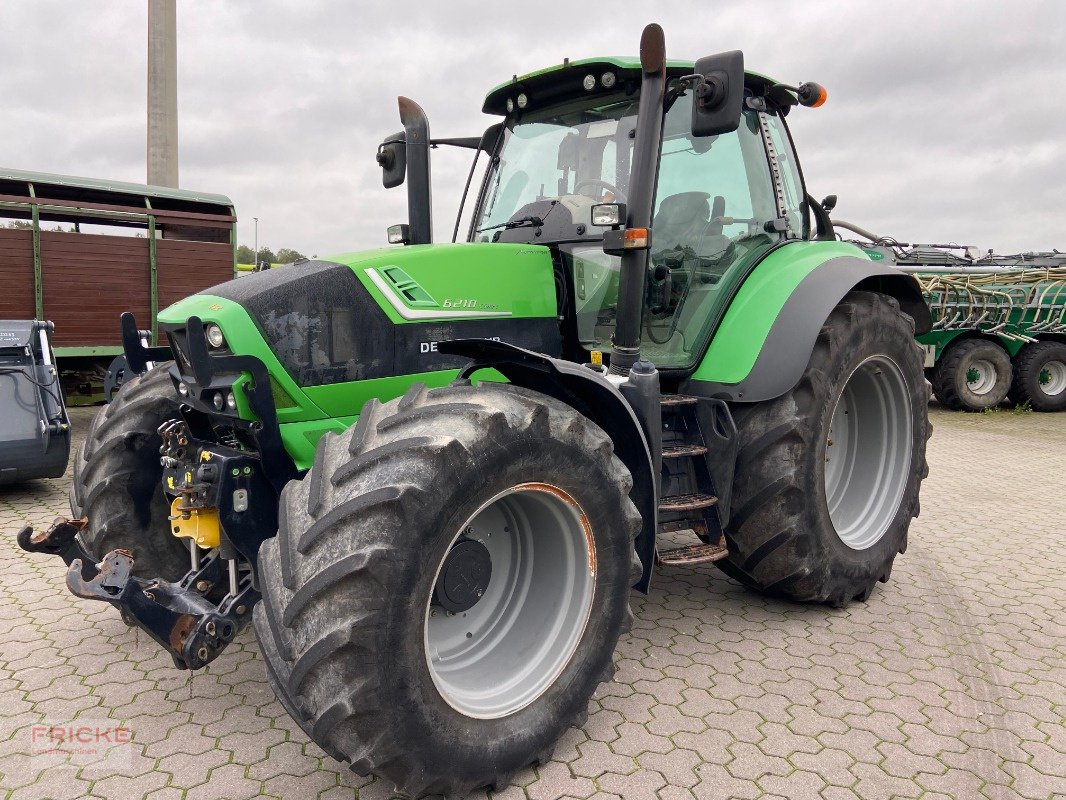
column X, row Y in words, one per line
column 683, row 219
column 689, row 220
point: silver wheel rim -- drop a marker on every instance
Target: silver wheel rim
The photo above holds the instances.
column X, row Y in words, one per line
column 1056, row 378
column 508, row 648
column 984, row 381
column 868, row 452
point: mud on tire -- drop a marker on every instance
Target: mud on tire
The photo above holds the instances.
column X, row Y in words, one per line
column 346, row 583
column 118, row 478
column 781, row 537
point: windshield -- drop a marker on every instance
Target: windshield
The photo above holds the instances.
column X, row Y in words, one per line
column 554, row 167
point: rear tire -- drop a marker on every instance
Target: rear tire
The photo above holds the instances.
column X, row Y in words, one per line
column 803, row 527
column 1040, row 376
column 972, row 375
column 371, row 670
column 118, row 478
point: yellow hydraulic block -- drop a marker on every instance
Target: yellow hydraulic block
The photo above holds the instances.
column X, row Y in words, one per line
column 202, row 526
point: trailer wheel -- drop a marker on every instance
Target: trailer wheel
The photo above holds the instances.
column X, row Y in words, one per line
column 1040, row 376
column 448, row 584
column 118, row 478
column 974, row 374
column 827, row 475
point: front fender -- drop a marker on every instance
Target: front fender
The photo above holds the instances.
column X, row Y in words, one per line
column 596, row 398
column 766, row 338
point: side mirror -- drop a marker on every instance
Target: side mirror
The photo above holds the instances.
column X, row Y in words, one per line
column 392, row 158
column 829, row 203
column 719, row 100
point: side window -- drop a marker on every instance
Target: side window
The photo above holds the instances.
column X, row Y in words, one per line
column 721, row 182
column 713, row 200
column 795, row 205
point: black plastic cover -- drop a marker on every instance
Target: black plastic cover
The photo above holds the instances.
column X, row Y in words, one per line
column 325, row 327
column 34, row 429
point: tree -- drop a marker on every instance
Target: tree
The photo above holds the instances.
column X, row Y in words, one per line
column 267, row 255
column 245, row 254
column 287, row 255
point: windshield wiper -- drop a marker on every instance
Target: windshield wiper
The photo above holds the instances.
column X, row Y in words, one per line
column 532, row 221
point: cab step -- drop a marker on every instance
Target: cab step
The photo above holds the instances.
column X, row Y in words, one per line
column 691, row 554
column 686, row 502
column 683, row 450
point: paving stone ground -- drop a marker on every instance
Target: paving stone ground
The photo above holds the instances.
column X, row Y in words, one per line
column 950, row 682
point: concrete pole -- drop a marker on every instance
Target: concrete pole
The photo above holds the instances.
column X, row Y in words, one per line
column 162, row 93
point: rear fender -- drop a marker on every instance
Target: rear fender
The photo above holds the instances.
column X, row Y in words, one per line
column 789, row 337
column 594, row 397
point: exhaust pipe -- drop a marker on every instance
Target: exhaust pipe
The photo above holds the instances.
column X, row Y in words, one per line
column 419, row 195
column 649, row 132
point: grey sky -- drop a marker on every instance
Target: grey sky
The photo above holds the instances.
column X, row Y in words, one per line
column 945, row 121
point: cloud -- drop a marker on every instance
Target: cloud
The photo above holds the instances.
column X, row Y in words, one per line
column 944, row 121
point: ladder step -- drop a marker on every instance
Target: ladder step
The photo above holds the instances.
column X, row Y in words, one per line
column 678, row 400
column 691, row 554
column 683, row 450
column 687, row 502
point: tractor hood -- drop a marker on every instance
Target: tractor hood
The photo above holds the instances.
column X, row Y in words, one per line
column 381, row 313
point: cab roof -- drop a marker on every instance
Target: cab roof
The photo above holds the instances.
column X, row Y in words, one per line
column 564, row 81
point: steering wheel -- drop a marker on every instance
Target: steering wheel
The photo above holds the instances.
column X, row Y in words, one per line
column 609, row 187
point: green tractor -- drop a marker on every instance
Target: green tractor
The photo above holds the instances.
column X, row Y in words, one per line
column 432, row 474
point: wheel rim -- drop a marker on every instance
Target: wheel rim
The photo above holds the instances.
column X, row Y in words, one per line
column 1053, row 378
column 981, row 377
column 868, row 452
column 509, row 647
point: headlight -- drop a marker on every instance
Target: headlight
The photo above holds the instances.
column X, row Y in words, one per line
column 183, row 390
column 219, row 401
column 231, row 401
column 214, row 336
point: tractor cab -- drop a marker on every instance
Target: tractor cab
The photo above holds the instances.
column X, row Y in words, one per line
column 561, row 175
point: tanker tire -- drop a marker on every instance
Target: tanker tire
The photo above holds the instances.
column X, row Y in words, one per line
column 781, row 536
column 118, row 478
column 950, row 376
column 1040, row 377
column 345, row 623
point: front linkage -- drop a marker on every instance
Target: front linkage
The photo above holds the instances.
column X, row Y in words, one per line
column 179, row 616
column 224, row 502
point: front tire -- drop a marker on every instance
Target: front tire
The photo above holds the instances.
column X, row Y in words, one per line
column 442, row 670
column 118, row 480
column 828, row 474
